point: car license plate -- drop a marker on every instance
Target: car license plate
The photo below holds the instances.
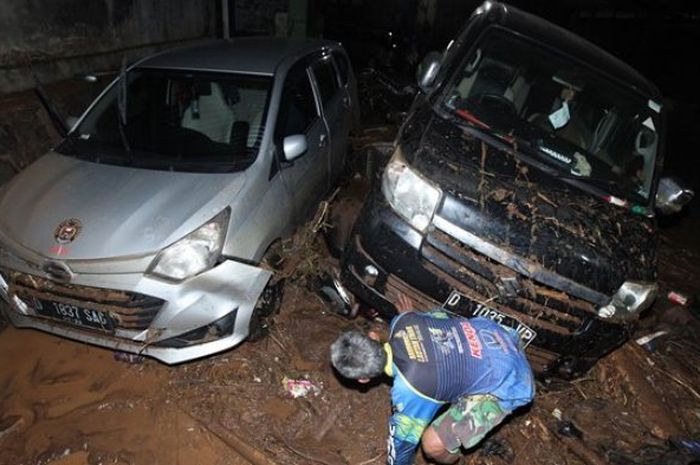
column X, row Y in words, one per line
column 73, row 314
column 463, row 305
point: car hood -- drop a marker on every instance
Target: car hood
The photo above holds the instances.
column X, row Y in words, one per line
column 122, row 211
column 492, row 194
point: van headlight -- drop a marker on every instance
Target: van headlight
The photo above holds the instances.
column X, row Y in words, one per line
column 632, row 298
column 196, row 252
column 408, row 193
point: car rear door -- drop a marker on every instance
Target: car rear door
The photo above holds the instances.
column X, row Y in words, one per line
column 336, row 112
column 306, row 177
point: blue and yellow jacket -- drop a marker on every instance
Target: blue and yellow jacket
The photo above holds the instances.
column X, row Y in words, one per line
column 435, row 359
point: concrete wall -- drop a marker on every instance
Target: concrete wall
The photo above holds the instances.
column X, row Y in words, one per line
column 60, row 38
column 257, row 17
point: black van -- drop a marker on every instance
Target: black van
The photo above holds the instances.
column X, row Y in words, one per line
column 523, row 187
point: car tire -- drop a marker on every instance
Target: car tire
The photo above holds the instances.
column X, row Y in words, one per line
column 3, row 318
column 268, row 305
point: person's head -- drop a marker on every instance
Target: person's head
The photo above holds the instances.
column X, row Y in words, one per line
column 357, row 356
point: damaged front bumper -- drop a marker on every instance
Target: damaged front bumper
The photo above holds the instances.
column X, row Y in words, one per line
column 386, row 256
column 171, row 322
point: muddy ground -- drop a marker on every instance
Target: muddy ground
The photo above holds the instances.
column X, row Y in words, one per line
column 67, row 403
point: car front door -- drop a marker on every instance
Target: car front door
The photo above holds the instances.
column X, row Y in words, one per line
column 305, row 177
column 336, row 112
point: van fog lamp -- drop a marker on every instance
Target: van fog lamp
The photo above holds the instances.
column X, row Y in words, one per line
column 632, row 298
column 370, row 275
column 409, row 194
column 194, row 253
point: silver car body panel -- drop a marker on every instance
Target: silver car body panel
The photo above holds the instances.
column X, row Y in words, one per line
column 197, row 302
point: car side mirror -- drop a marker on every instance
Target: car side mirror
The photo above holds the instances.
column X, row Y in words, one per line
column 294, row 146
column 428, row 70
column 672, row 196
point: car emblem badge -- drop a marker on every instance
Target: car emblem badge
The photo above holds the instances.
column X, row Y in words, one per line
column 67, row 231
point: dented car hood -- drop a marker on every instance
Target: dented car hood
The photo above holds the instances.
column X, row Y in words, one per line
column 122, row 211
column 525, row 211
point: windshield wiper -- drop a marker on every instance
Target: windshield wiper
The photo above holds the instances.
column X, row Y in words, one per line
column 122, row 107
column 608, row 185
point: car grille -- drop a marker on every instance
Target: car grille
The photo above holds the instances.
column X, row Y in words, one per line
column 486, row 281
column 129, row 310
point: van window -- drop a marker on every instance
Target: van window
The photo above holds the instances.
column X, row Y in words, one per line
column 326, row 79
column 341, row 62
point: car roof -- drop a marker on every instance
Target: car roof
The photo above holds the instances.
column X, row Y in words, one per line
column 545, row 32
column 250, row 55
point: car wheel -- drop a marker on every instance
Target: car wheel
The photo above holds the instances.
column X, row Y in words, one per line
column 268, row 305
column 3, row 318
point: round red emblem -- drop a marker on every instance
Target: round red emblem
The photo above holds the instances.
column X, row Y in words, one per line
column 67, row 231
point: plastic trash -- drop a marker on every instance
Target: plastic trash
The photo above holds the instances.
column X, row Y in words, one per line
column 296, row 388
column 127, row 357
column 647, row 341
column 677, row 298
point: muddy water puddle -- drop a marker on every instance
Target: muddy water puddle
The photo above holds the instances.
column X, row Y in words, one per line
column 71, row 404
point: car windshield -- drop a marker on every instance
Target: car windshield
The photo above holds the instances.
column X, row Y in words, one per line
column 176, row 120
column 572, row 117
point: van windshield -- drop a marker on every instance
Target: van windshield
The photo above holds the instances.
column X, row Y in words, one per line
column 572, row 117
column 175, row 120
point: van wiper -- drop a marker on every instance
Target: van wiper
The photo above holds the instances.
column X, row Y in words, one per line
column 609, row 185
column 122, row 106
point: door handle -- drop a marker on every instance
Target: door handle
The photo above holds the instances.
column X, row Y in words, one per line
column 322, row 141
column 346, row 101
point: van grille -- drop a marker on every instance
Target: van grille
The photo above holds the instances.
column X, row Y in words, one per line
column 483, row 279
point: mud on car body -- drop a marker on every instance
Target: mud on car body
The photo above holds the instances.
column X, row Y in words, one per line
column 522, row 187
column 144, row 229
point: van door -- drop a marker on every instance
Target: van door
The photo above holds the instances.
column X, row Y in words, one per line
column 334, row 103
column 306, row 177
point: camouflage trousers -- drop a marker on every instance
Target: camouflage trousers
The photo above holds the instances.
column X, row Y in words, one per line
column 468, row 420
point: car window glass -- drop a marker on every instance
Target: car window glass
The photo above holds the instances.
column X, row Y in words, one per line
column 342, row 63
column 326, row 79
column 176, row 120
column 297, row 108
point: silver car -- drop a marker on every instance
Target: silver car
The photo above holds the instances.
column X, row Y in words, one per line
column 144, row 229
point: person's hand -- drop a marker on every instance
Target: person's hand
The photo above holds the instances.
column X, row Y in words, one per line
column 403, row 303
column 568, row 94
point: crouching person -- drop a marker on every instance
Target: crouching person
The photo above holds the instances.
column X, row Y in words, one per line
column 474, row 365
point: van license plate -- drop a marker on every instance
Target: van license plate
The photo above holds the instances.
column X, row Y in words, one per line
column 463, row 305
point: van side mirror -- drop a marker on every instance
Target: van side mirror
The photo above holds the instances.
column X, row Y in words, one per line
column 294, row 146
column 672, row 196
column 428, row 70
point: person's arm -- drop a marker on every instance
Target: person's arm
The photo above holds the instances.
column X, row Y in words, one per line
column 412, row 413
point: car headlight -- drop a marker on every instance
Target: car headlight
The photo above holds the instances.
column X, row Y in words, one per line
column 196, row 252
column 409, row 194
column 632, row 298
